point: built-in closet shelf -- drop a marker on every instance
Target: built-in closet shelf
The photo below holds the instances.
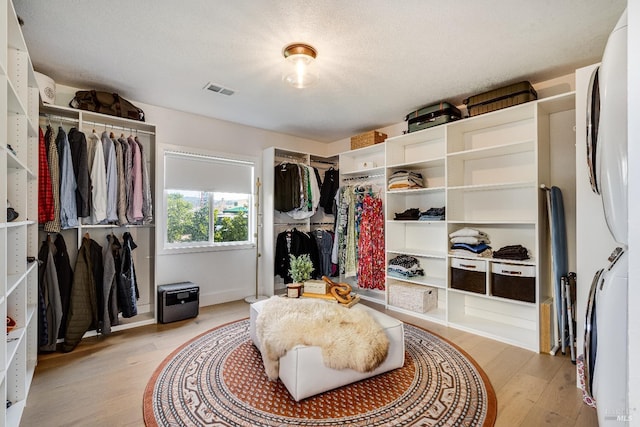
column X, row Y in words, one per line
column 493, row 151
column 144, row 235
column 419, row 164
column 358, row 172
column 436, row 315
column 494, row 187
column 486, row 171
column 520, row 337
column 417, row 252
column 111, row 226
column 418, row 222
column 411, row 191
column 275, row 222
column 475, row 222
column 436, row 282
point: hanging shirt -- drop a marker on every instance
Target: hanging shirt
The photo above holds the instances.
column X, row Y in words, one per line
column 147, row 201
column 45, row 193
column 79, row 157
column 111, row 177
column 134, row 210
column 54, row 167
column 68, row 210
column 98, row 182
column 122, row 187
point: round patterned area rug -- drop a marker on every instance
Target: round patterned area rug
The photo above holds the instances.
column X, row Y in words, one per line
column 218, row 379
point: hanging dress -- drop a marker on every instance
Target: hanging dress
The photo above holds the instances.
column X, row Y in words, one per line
column 371, row 267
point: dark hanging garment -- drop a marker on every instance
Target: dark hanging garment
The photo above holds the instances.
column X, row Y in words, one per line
column 295, row 243
column 51, row 297
column 83, row 311
column 97, row 269
column 43, row 335
column 287, row 187
column 128, row 286
column 329, row 189
column 111, row 269
column 79, row 158
column 65, row 280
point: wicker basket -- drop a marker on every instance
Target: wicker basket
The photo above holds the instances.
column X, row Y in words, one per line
column 367, row 139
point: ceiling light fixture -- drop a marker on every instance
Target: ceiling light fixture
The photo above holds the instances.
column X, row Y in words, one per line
column 300, row 71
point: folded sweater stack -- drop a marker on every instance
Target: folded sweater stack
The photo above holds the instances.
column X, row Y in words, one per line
column 470, row 242
column 404, row 266
column 515, row 252
column 432, row 214
column 403, row 180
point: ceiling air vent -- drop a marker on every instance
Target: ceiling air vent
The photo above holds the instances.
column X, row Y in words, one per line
column 213, row 87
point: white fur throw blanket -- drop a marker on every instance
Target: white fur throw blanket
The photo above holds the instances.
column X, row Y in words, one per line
column 348, row 337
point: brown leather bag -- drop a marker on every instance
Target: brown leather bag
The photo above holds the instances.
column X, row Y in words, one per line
column 106, row 103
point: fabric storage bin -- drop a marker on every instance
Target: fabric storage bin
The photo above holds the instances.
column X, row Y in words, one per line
column 514, row 281
column 469, row 275
column 367, row 139
column 416, row 298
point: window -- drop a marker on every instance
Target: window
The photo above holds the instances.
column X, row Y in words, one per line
column 208, row 201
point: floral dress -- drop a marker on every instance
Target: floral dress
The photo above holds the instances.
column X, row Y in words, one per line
column 371, row 265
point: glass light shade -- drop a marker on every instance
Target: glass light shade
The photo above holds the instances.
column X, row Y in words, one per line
column 299, row 69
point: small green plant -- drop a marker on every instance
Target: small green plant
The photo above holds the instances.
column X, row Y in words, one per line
column 301, row 268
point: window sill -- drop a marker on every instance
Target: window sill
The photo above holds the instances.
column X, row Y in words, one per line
column 195, row 249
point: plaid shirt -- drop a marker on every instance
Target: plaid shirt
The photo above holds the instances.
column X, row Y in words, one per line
column 53, row 225
column 45, row 193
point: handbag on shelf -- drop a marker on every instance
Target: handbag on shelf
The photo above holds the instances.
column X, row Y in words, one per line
column 106, row 103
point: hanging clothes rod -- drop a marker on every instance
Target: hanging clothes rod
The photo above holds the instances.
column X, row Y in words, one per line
column 59, row 118
column 322, row 223
column 131, row 129
column 56, row 118
column 325, row 162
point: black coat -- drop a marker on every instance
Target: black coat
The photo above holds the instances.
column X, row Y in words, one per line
column 295, row 243
column 128, row 286
column 79, row 155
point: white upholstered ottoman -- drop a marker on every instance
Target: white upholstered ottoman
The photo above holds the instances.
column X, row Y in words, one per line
column 303, row 372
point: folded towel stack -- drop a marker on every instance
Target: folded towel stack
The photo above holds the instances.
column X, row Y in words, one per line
column 404, row 266
column 470, row 242
column 403, row 180
column 515, row 252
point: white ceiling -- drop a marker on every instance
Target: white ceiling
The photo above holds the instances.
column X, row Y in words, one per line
column 377, row 59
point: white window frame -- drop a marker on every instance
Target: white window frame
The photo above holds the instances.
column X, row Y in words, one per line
column 164, row 247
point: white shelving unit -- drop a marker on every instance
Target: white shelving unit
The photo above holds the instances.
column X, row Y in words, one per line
column 422, row 152
column 362, row 165
column 18, row 239
column 274, row 222
column 143, row 235
column 487, row 171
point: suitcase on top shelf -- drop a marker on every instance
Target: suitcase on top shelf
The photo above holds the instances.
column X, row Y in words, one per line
column 507, row 96
column 432, row 115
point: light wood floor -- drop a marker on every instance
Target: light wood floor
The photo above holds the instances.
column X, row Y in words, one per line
column 102, row 381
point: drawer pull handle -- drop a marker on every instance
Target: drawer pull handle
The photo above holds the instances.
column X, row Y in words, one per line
column 467, row 265
column 513, row 273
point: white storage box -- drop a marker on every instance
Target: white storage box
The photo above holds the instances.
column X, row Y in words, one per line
column 416, row 298
column 315, row 287
column 47, row 88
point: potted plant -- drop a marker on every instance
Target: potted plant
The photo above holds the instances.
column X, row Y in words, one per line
column 300, row 270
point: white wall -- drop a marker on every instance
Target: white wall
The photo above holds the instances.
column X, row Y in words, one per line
column 224, row 275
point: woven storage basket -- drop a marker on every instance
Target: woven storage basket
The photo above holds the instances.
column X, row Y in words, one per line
column 416, row 298
column 367, row 139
